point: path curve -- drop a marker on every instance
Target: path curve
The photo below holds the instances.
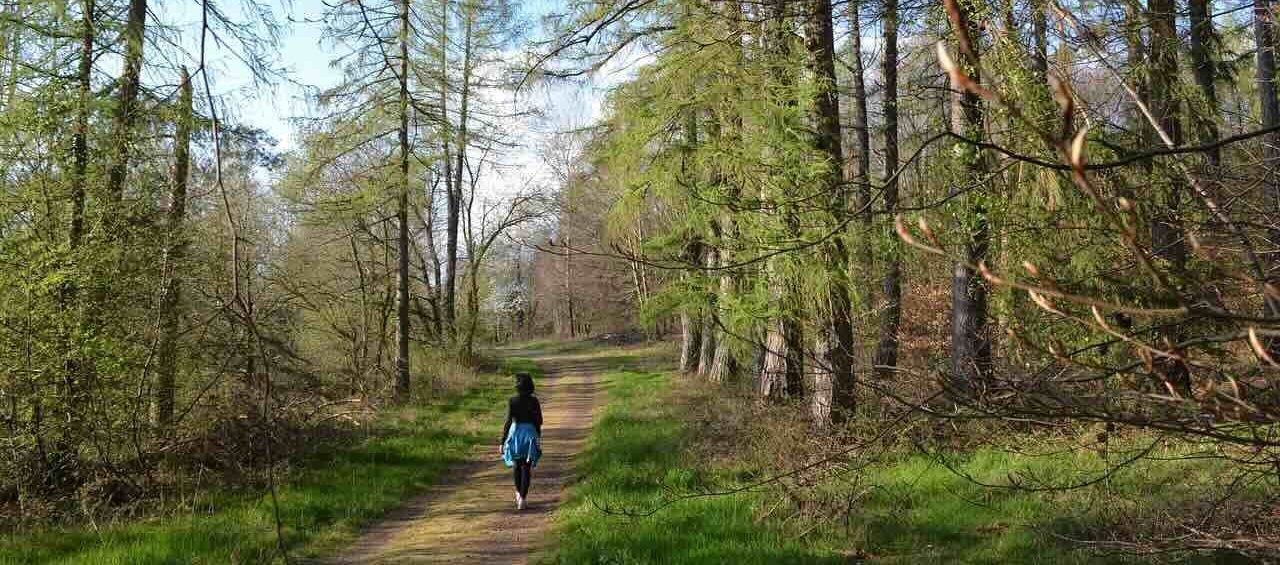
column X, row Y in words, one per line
column 469, row 516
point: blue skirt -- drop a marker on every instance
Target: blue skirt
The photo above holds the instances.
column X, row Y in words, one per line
column 522, row 445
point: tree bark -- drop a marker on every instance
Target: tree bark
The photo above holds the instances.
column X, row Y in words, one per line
column 433, row 273
column 835, row 362
column 1040, row 40
column 402, row 219
column 460, row 151
column 568, row 289
column 1166, row 233
column 10, row 46
column 690, row 323
column 1203, row 66
column 707, row 350
column 126, row 106
column 460, row 163
column 775, row 371
column 886, row 357
column 861, row 124
column 79, row 184
column 175, row 250
column 453, row 205
column 80, row 139
column 970, row 342
column 723, row 364
column 1264, row 37
column 781, row 365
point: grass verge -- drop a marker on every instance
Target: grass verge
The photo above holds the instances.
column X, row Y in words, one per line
column 637, row 452
column 323, row 504
column 651, row 443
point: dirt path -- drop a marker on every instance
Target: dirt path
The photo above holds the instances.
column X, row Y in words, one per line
column 470, row 516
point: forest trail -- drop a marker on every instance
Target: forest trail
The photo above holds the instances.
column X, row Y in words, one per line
column 470, row 515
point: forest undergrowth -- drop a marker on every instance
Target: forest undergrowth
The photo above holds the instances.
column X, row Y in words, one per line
column 747, row 482
column 334, row 480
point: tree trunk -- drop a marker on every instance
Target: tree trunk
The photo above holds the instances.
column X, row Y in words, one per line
column 1264, row 37
column 886, row 357
column 781, row 365
column 473, row 312
column 80, row 139
column 10, row 49
column 360, row 339
column 170, row 298
column 460, row 153
column 723, row 364
column 434, row 274
column 690, row 323
column 795, row 360
column 726, row 117
column 691, row 330
column 402, row 218
column 79, row 184
column 126, row 106
column 774, row 366
column 707, row 350
column 861, row 125
column 835, row 362
column 690, row 341
column 1040, row 40
column 970, row 342
column 1203, row 66
column 453, row 205
column 568, row 288
column 1166, row 234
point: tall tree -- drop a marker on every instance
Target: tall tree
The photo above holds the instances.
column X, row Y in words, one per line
column 833, row 371
column 174, row 252
column 1202, row 64
column 1040, row 39
column 970, row 341
column 1166, row 234
column 886, row 357
column 402, row 216
column 453, row 193
column 861, row 149
column 725, row 129
column 1264, row 42
column 707, row 349
column 691, row 312
column 127, row 99
column 782, row 366
column 80, row 136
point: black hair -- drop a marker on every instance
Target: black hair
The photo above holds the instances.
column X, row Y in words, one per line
column 524, row 383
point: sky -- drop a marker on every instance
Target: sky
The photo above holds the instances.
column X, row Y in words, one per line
column 305, row 57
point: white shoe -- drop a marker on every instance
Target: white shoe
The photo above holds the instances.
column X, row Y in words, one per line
column 519, row 502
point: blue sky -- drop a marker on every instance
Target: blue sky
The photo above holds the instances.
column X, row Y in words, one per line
column 305, row 57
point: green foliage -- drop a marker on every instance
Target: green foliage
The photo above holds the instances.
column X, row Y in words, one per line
column 635, row 455
column 906, row 507
column 324, row 501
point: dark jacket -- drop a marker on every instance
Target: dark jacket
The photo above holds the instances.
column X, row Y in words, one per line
column 522, row 409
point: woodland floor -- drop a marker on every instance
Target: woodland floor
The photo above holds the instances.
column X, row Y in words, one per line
column 469, row 516
column 624, row 433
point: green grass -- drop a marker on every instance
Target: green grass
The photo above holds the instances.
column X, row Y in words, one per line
column 558, row 346
column 323, row 505
column 634, row 453
column 906, row 510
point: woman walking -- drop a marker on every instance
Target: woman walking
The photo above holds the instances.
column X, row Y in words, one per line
column 520, row 446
